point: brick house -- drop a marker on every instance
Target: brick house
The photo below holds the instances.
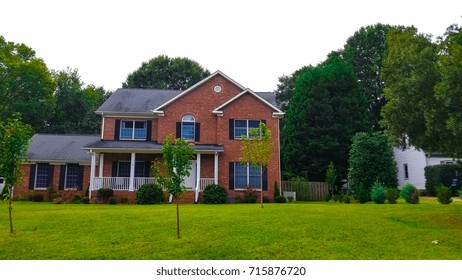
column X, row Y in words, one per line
column 213, row 115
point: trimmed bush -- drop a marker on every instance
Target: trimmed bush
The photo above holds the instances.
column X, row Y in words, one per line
column 149, row 194
column 410, row 194
column 85, row 200
column 112, row 200
column 124, row 200
column 276, row 190
column 215, row 194
column 280, row 199
column 442, row 174
column 444, row 194
column 378, row 193
column 392, row 195
column 105, row 194
column 36, row 197
column 362, row 193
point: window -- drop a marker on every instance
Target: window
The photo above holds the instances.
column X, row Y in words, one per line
column 406, row 172
column 41, row 175
column 242, row 127
column 187, row 128
column 245, row 175
column 72, row 176
column 124, row 169
column 133, row 130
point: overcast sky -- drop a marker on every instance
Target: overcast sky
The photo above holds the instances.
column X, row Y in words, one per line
column 253, row 42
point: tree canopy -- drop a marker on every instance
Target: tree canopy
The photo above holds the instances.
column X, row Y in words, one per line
column 327, row 109
column 163, row 72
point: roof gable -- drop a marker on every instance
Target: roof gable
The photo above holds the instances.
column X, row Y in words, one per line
column 265, row 98
column 162, row 106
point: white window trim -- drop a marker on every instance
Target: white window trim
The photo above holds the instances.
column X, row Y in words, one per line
column 193, row 125
column 247, row 127
column 35, row 179
column 133, row 130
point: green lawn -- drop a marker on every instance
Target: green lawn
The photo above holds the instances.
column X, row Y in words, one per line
column 301, row 231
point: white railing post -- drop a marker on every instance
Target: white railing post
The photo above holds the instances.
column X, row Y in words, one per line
column 132, row 172
column 92, row 172
column 215, row 171
column 198, row 177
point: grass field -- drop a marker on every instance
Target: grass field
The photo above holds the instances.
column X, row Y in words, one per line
column 300, row 231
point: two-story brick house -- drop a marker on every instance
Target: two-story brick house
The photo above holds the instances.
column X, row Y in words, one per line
column 213, row 115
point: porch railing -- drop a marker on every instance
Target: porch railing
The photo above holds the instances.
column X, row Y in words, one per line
column 204, row 182
column 121, row 183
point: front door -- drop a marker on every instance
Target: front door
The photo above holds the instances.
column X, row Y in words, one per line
column 190, row 182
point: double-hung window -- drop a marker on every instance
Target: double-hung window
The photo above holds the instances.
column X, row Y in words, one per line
column 72, row 176
column 242, row 127
column 133, row 130
column 245, row 175
column 41, row 175
column 124, row 169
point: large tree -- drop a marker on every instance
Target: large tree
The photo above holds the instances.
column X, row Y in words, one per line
column 26, row 85
column 75, row 104
column 14, row 141
column 410, row 72
column 327, row 109
column 163, row 72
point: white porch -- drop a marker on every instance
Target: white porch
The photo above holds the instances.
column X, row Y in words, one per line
column 194, row 183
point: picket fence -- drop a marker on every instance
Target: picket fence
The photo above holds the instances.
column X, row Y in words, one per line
column 305, row 191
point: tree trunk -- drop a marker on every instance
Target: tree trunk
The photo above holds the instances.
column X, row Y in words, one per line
column 10, row 208
column 261, row 188
column 177, row 216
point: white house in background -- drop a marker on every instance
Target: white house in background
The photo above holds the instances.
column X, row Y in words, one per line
column 2, row 183
column 412, row 162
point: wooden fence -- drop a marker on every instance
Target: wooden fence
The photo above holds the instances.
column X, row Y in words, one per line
column 306, row 191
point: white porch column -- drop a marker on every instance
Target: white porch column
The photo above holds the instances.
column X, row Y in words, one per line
column 101, row 165
column 198, row 176
column 132, row 172
column 215, row 170
column 92, row 172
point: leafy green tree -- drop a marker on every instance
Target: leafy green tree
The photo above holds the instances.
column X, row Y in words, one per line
column 364, row 52
column 371, row 160
column 14, row 141
column 163, row 72
column 176, row 165
column 331, row 178
column 286, row 87
column 75, row 104
column 326, row 110
column 26, row 85
column 410, row 74
column 257, row 150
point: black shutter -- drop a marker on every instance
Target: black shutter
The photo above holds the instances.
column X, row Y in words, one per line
column 197, row 132
column 231, row 175
column 62, row 177
column 80, row 178
column 231, row 129
column 148, row 130
column 117, row 130
column 264, row 179
column 51, row 171
column 32, row 177
column 115, row 165
column 178, row 130
column 147, row 169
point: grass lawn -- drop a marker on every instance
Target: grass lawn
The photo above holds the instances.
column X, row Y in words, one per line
column 300, row 231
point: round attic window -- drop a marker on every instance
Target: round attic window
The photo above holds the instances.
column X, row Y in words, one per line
column 217, row 88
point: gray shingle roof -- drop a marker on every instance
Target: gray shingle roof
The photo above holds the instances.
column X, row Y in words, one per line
column 60, row 148
column 127, row 100
column 270, row 97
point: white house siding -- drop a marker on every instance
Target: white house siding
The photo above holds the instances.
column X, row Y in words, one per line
column 416, row 162
column 438, row 160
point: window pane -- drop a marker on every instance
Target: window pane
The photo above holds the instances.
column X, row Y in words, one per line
column 42, row 175
column 124, row 169
column 126, row 133
column 255, row 177
column 140, row 125
column 72, row 175
column 188, row 131
column 188, row 118
column 240, row 177
column 127, row 124
column 240, row 128
column 139, row 169
column 140, row 133
column 254, row 124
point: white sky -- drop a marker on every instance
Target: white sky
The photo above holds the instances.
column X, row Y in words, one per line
column 253, row 42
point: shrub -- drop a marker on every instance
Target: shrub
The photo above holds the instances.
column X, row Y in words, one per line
column 85, row 200
column 378, row 193
column 362, row 193
column 290, row 198
column 392, row 195
column 112, row 200
column 444, row 194
column 215, row 194
column 410, row 194
column 124, row 200
column 36, row 197
column 276, row 190
column 280, row 199
column 460, row 194
column 105, row 193
column 76, row 200
column 149, row 194
column 346, row 199
column 58, row 200
column 250, row 196
column 51, row 193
